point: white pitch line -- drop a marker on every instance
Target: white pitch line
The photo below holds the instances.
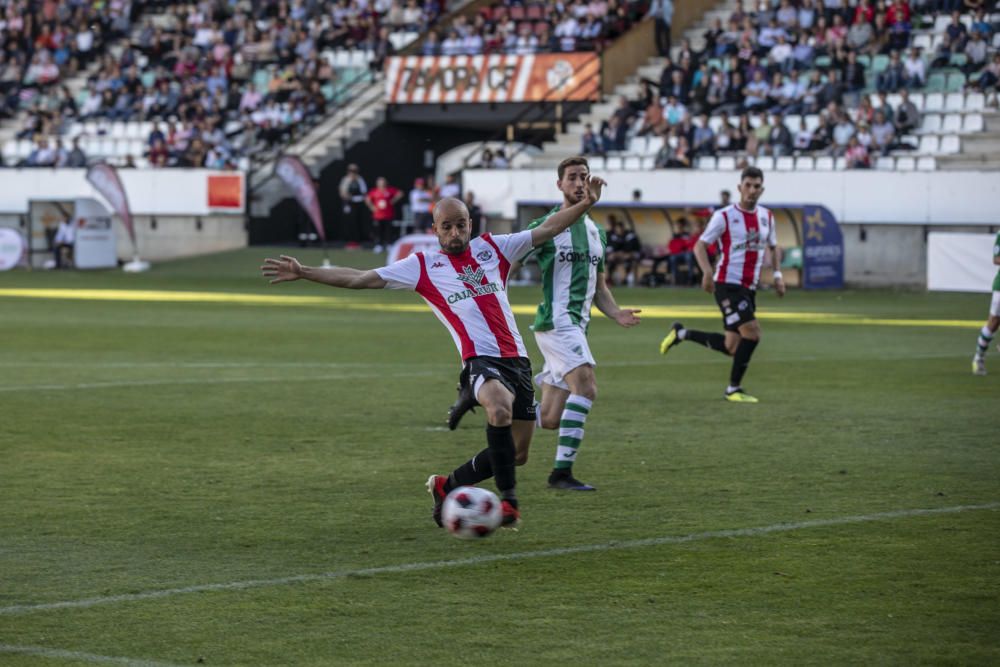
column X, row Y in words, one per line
column 490, row 558
column 43, row 652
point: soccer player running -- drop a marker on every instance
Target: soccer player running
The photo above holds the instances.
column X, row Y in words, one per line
column 993, row 323
column 573, row 278
column 743, row 231
column 465, row 285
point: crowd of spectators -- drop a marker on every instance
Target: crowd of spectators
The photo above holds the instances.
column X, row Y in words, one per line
column 221, row 79
column 535, row 27
column 801, row 58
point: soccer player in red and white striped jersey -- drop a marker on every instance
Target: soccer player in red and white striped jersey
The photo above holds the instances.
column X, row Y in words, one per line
column 465, row 284
column 743, row 232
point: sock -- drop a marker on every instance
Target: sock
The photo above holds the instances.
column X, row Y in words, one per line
column 983, row 344
column 571, row 425
column 741, row 360
column 471, row 472
column 500, row 443
column 713, row 341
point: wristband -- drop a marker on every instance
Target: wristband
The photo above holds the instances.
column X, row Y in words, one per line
column 777, row 275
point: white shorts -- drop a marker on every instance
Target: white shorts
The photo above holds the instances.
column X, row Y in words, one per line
column 995, row 305
column 564, row 350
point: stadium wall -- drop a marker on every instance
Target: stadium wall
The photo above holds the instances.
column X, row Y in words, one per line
column 885, row 216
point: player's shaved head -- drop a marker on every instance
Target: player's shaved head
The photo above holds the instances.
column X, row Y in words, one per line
column 449, row 208
column 452, row 226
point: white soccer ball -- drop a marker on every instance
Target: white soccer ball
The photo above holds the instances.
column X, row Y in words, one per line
column 470, row 513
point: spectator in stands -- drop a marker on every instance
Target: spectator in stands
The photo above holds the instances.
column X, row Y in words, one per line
column 907, row 116
column 990, row 77
column 450, row 188
column 486, row 159
column 957, row 32
column 158, row 153
column 500, row 160
column 755, row 93
column 893, row 76
column 843, row 132
column 703, row 138
column 674, row 112
column 779, row 139
column 853, row 75
column 421, row 203
column 803, row 140
column 352, row 190
column 975, row 51
column 856, row 155
column 76, row 158
column 43, row 155
column 381, row 201
column 883, row 133
column 590, row 144
column 623, row 251
column 942, row 54
column 981, row 24
column 662, row 12
column 916, row 70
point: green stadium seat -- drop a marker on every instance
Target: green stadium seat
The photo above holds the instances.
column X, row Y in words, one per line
column 792, row 258
column 937, row 82
column 880, row 63
column 260, row 80
column 865, row 60
column 823, row 62
column 148, row 78
column 956, row 82
column 958, row 60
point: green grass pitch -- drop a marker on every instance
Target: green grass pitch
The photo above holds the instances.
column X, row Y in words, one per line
column 241, row 483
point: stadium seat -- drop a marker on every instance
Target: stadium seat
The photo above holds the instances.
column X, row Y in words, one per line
column 791, row 258
column 715, row 122
column 956, row 82
column 648, row 163
column 973, row 123
column 954, row 102
column 958, row 60
column 726, row 163
column 928, row 145
column 952, row 123
column 755, row 121
column 792, row 122
column 596, row 163
column 10, row 151
column 765, row 162
column 906, row 163
column 917, row 99
column 654, row 145
column 931, row 124
column 632, row 163
column 950, row 145
column 885, row 163
column 805, row 163
column 922, row 41
column 934, row 103
column 707, row 163
column 785, row 163
column 840, row 164
column 612, row 163
column 880, row 63
column 975, row 101
column 937, row 82
column 812, row 122
column 824, row 163
column 637, row 145
column 926, row 164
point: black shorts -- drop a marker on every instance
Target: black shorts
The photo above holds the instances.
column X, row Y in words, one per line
column 737, row 303
column 514, row 373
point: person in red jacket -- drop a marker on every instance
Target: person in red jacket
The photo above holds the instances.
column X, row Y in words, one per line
column 382, row 201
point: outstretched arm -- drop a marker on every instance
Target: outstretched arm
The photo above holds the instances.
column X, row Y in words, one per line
column 605, row 302
column 288, row 268
column 559, row 222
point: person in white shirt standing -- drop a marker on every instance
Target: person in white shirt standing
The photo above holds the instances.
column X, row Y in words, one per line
column 744, row 231
column 63, row 243
column 465, row 284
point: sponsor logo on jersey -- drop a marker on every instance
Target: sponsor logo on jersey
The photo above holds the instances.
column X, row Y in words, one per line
column 437, row 265
column 470, row 276
column 484, row 256
column 752, row 242
column 477, row 290
column 574, row 257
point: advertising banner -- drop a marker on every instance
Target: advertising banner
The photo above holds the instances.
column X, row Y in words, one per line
column 960, row 262
column 822, row 249
column 225, row 192
column 11, row 248
column 105, row 180
column 95, row 246
column 492, row 78
column 294, row 173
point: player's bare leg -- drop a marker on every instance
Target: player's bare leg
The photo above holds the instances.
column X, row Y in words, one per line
column 983, row 344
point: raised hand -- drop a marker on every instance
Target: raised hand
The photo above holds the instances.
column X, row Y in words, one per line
column 281, row 270
column 595, row 185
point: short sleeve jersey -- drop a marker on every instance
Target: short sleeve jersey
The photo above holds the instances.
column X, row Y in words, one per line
column 570, row 263
column 742, row 237
column 996, row 253
column 468, row 292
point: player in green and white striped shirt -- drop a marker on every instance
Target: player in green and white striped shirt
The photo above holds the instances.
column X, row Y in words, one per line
column 573, row 279
column 993, row 323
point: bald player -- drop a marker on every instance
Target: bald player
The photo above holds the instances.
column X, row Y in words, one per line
column 465, row 285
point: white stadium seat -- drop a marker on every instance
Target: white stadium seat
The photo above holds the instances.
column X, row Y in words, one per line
column 928, row 145
column 885, row 164
column 905, row 164
column 106, row 147
column 648, row 163
column 975, row 101
column 792, row 122
column 596, row 163
column 805, row 163
column 654, row 145
column 117, row 130
column 952, row 123
column 916, row 98
column 613, row 163
column 785, row 163
column 10, row 150
column 765, row 162
column 812, row 122
column 726, row 163
column 931, row 124
column 637, row 145
column 954, row 102
column 934, row 103
column 926, row 164
column 950, row 145
column 824, row 163
column 632, row 163
column 840, row 164
column 973, row 123
column 715, row 122
column 706, row 162
column 922, row 41
column 895, row 98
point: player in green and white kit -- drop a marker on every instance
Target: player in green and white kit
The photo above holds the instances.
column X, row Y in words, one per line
column 993, row 323
column 573, row 279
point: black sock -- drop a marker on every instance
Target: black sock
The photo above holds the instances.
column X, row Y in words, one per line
column 741, row 360
column 471, row 472
column 501, row 450
column 713, row 341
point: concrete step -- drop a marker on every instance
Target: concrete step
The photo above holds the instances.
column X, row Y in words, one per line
column 992, row 121
column 969, row 162
column 984, row 142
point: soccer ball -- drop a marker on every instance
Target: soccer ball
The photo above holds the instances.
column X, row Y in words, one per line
column 470, row 512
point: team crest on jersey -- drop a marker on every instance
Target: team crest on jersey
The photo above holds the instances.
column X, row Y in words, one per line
column 470, row 276
column 484, row 256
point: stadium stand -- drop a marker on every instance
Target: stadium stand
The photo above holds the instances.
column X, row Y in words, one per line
column 797, row 85
column 207, row 84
